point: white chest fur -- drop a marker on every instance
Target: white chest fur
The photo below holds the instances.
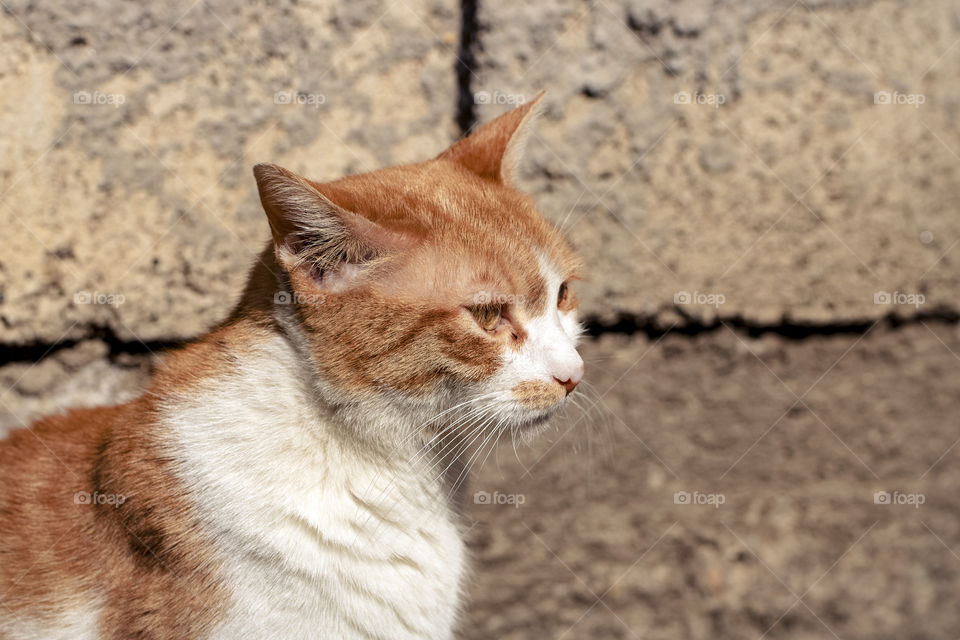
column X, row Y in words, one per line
column 320, row 541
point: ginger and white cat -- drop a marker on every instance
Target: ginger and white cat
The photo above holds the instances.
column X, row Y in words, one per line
column 296, row 472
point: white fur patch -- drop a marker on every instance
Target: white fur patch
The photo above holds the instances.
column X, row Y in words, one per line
column 548, row 353
column 79, row 624
column 322, row 540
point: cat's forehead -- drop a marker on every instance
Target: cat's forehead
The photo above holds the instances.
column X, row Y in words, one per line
column 471, row 236
column 453, row 213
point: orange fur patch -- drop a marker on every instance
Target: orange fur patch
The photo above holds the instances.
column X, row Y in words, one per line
column 401, row 327
column 436, row 234
column 537, row 394
column 144, row 561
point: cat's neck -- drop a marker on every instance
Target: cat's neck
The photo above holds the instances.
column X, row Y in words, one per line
column 263, row 342
column 280, row 478
column 247, row 388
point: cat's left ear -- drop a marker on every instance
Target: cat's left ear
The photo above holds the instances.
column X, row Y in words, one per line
column 493, row 150
column 313, row 234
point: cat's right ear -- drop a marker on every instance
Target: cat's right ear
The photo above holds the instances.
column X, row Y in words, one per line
column 309, row 230
column 494, row 149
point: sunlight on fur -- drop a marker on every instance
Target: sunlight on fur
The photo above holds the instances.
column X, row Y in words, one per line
column 298, row 471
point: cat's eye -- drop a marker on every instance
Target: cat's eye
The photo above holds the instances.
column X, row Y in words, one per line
column 487, row 315
column 562, row 294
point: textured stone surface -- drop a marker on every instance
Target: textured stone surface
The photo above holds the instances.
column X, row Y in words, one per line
column 715, row 415
column 142, row 199
column 84, row 375
column 668, row 190
column 147, row 206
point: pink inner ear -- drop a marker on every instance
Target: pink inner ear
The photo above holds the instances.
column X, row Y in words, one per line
column 341, row 278
column 308, row 279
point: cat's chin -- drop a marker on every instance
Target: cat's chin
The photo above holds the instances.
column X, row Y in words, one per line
column 536, row 422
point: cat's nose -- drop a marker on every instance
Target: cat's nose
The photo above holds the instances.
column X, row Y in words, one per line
column 565, row 366
column 569, row 385
column 572, row 380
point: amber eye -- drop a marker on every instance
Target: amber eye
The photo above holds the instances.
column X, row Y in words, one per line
column 487, row 315
column 562, row 294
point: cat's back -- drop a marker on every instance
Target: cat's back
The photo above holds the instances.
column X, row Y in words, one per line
column 50, row 545
column 87, row 549
column 44, row 470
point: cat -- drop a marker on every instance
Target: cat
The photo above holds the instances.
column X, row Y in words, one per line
column 298, row 472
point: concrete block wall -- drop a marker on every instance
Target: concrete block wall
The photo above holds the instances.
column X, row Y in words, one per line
column 764, row 193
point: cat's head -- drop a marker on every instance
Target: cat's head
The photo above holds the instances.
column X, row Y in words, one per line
column 435, row 283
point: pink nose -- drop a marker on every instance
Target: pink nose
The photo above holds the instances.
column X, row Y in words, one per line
column 569, row 385
column 572, row 380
